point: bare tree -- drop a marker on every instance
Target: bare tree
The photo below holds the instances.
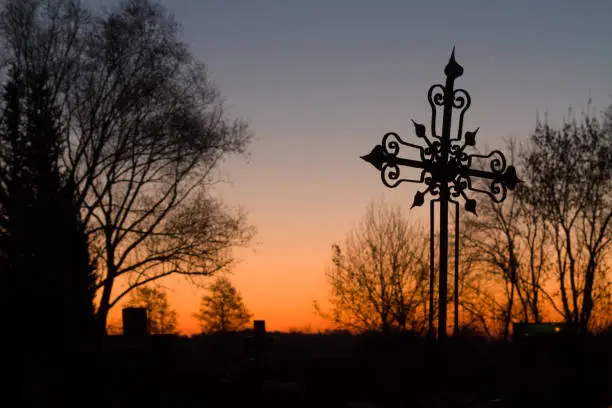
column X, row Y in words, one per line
column 379, row 276
column 147, row 131
column 569, row 174
column 492, row 236
column 160, row 316
column 546, row 250
column 222, row 310
column 507, row 246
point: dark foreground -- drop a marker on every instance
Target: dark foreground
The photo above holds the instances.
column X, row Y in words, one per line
column 339, row 370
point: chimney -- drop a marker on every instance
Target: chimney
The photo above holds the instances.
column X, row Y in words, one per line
column 135, row 322
column 259, row 327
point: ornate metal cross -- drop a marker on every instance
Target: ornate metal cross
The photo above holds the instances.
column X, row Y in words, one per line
column 447, row 172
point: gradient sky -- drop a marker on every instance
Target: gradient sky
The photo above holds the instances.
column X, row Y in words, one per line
column 321, row 81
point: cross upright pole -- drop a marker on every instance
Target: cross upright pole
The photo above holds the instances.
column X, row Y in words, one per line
column 446, row 170
column 444, row 197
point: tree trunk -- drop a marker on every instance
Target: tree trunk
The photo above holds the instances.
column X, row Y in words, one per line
column 587, row 297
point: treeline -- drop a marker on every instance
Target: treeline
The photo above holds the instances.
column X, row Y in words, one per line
column 541, row 255
column 544, row 254
column 222, row 310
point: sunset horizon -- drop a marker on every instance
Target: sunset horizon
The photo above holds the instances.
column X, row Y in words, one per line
column 313, row 203
column 321, row 83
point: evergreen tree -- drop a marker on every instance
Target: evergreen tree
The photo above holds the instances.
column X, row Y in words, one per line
column 46, row 252
column 16, row 197
column 223, row 309
column 47, row 279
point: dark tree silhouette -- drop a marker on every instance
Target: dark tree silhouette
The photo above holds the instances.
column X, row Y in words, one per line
column 379, row 277
column 569, row 177
column 44, row 240
column 223, row 309
column 506, row 248
column 148, row 130
column 50, row 279
column 543, row 255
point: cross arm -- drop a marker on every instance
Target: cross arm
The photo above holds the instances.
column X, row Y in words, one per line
column 378, row 158
column 508, row 177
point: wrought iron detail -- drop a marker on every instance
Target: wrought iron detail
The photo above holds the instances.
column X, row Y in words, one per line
column 445, row 165
column 447, row 171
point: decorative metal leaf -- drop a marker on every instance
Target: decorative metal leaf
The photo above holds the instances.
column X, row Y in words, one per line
column 419, row 199
column 419, row 129
column 470, row 138
column 511, row 178
column 376, row 157
column 470, row 205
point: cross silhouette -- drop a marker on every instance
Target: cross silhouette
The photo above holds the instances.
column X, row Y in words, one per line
column 446, row 170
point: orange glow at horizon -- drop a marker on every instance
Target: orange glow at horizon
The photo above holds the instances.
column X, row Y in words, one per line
column 285, row 304
column 324, row 92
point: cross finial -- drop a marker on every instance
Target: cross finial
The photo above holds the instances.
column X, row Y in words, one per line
column 453, row 69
